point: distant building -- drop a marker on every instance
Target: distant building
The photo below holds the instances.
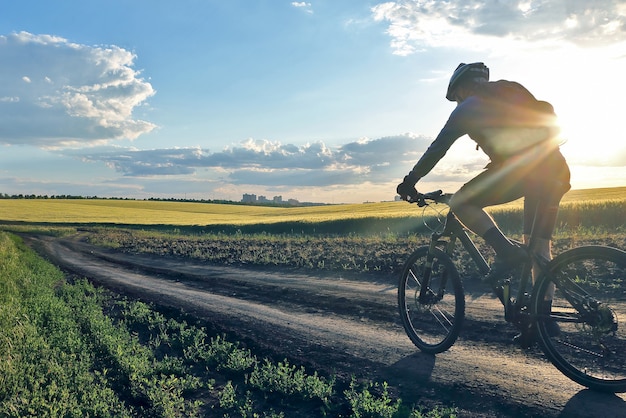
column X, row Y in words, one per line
column 249, row 198
column 276, row 200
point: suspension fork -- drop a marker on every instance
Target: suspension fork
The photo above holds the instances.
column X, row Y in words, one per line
column 435, row 243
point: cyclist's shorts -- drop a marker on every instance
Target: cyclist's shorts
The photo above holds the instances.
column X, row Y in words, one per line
column 540, row 177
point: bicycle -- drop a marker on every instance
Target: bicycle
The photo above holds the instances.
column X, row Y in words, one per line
column 589, row 303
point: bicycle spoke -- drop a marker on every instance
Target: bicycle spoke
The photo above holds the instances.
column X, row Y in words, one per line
column 431, row 301
column 589, row 307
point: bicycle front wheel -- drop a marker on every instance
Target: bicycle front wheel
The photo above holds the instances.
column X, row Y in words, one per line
column 589, row 307
column 431, row 300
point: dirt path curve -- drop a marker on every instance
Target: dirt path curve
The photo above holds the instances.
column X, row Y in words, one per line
column 349, row 326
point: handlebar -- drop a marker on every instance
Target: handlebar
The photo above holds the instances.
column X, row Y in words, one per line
column 423, row 199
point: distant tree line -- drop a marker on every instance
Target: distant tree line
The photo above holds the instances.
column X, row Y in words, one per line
column 67, row 196
column 170, row 199
column 61, row 196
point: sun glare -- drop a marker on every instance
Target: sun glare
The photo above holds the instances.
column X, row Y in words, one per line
column 584, row 93
column 584, row 85
column 594, row 143
column 589, row 128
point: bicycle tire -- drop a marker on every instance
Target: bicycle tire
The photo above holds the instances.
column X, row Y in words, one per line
column 589, row 307
column 434, row 323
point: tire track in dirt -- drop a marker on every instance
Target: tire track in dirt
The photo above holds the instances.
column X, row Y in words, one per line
column 482, row 379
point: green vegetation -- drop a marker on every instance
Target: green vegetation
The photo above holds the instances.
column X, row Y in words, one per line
column 72, row 350
column 381, row 253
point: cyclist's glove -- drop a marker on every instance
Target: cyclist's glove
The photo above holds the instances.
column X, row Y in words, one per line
column 407, row 190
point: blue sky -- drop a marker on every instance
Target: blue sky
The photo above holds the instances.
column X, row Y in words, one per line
column 330, row 100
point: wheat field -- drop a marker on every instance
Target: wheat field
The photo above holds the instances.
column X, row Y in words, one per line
column 151, row 212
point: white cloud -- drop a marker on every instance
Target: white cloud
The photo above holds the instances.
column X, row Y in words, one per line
column 71, row 94
column 270, row 163
column 358, row 170
column 416, row 24
column 303, row 5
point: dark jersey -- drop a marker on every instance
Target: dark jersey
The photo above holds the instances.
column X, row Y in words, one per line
column 504, row 119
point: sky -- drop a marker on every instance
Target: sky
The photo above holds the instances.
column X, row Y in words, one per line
column 320, row 101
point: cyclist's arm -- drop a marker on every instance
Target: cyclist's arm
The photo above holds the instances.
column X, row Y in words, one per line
column 452, row 130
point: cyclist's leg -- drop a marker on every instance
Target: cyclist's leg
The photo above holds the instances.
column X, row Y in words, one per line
column 540, row 212
column 497, row 185
column 494, row 186
column 544, row 191
column 543, row 247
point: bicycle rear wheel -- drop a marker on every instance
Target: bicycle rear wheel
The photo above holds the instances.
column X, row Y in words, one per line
column 431, row 300
column 589, row 307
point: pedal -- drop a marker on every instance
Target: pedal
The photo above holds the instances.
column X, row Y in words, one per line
column 506, row 301
column 499, row 292
column 526, row 338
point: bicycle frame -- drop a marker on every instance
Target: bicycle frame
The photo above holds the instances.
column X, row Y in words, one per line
column 454, row 231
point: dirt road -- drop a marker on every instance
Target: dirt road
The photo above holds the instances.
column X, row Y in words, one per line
column 347, row 325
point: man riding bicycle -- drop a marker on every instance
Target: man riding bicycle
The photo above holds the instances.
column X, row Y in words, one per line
column 520, row 135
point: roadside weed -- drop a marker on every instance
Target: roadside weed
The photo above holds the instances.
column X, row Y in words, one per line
column 288, row 379
column 366, row 402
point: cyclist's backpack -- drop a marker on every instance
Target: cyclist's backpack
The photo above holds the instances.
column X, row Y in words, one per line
column 517, row 120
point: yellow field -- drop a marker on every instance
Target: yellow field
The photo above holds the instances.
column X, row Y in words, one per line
column 139, row 212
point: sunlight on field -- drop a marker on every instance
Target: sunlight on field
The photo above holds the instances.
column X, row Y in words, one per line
column 138, row 212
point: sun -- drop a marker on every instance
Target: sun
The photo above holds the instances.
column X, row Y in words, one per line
column 586, row 91
column 590, row 132
column 588, row 100
column 585, row 86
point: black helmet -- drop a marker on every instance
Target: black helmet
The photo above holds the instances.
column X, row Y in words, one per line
column 476, row 72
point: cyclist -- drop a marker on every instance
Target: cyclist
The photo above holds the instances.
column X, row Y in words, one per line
column 520, row 135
